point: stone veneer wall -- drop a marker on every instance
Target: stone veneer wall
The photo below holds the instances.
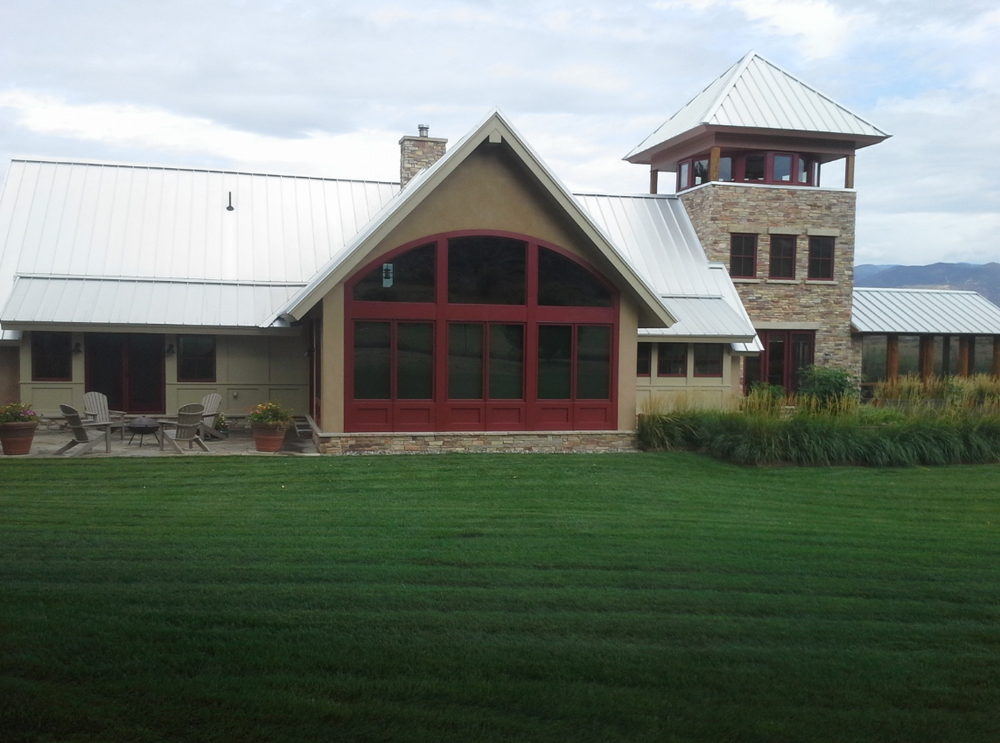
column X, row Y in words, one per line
column 719, row 209
column 586, row 442
column 417, row 153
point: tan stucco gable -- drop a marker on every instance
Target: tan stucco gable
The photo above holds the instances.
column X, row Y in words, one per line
column 491, row 180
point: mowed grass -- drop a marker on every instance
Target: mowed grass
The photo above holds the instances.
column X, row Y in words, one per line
column 654, row 597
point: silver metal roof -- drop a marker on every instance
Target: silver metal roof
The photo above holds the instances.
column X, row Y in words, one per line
column 924, row 311
column 656, row 236
column 98, row 222
column 755, row 93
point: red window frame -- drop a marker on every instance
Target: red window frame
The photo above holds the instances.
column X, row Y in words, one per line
column 685, row 168
column 821, row 266
column 660, row 357
column 781, row 259
column 443, row 414
column 644, row 359
column 743, row 238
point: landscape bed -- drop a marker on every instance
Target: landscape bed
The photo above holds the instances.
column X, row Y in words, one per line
column 635, row 597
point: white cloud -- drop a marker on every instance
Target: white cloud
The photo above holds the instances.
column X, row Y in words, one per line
column 363, row 154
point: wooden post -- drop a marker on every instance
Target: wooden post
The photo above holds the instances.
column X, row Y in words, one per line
column 964, row 355
column 653, row 180
column 891, row 358
column 849, row 172
column 926, row 356
column 715, row 155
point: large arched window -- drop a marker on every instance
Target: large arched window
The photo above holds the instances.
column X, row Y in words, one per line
column 477, row 331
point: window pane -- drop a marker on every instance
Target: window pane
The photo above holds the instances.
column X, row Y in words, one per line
column 821, row 257
column 593, row 362
column 407, row 277
column 465, row 361
column 782, row 257
column 51, row 356
column 486, row 270
column 555, row 353
column 684, row 175
column 708, row 359
column 776, row 360
column 415, row 361
column 725, row 168
column 805, row 165
column 783, row 167
column 371, row 360
column 506, row 362
column 802, row 356
column 874, row 353
column 754, row 168
column 700, row 172
column 196, row 358
column 671, row 359
column 743, row 256
column 982, row 355
column 909, row 354
column 644, row 359
column 563, row 282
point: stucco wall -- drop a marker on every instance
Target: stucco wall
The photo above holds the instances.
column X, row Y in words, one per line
column 249, row 369
column 719, row 209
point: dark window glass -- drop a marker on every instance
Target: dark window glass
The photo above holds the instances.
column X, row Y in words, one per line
column 684, row 175
column 874, row 355
column 486, row 270
column 775, row 345
column 783, row 167
column 555, row 355
column 802, row 356
column 372, row 369
column 708, row 359
column 563, row 282
column 407, row 277
column 465, row 361
column 51, row 357
column 593, row 362
column 700, row 170
column 821, row 258
column 671, row 359
column 196, row 358
column 754, row 168
column 782, row 257
column 506, row 362
column 743, row 256
column 725, row 168
column 415, row 361
column 981, row 355
column 644, row 360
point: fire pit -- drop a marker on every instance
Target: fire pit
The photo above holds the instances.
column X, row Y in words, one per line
column 142, row 426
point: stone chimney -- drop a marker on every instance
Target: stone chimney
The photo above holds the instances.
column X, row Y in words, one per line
column 417, row 153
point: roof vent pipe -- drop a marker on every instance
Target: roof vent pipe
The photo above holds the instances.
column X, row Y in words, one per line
column 423, row 130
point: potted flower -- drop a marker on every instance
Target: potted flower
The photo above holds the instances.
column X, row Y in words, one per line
column 17, row 427
column 269, row 421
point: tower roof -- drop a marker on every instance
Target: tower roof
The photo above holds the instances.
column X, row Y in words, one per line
column 755, row 94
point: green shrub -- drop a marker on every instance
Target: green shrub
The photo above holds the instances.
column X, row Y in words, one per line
column 826, row 384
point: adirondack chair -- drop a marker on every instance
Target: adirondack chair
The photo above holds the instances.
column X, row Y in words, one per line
column 85, row 435
column 186, row 428
column 95, row 406
column 211, row 403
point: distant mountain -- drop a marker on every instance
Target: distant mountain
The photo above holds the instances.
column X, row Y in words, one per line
column 982, row 278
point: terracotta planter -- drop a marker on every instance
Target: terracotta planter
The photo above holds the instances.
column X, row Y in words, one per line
column 268, row 437
column 16, row 438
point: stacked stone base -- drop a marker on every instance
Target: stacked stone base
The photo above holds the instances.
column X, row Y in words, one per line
column 479, row 442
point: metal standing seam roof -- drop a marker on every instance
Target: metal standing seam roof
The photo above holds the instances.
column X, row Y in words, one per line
column 654, row 233
column 755, row 93
column 65, row 223
column 923, row 311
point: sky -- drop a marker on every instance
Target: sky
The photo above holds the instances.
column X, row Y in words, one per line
column 328, row 88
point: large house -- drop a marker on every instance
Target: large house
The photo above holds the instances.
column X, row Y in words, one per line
column 476, row 295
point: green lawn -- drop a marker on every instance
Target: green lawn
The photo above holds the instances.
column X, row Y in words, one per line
column 653, row 597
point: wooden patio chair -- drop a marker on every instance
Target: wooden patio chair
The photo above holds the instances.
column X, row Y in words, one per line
column 85, row 435
column 95, row 406
column 211, row 403
column 186, row 428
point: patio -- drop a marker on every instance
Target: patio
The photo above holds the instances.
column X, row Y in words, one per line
column 239, row 442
